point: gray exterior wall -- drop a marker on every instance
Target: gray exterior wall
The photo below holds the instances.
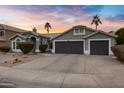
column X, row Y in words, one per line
column 69, row 35
column 99, row 36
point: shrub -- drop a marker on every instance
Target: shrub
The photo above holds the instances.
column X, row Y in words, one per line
column 118, row 51
column 26, row 47
column 120, row 36
column 4, row 48
column 43, row 48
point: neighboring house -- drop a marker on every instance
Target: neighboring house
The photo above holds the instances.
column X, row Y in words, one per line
column 83, row 40
column 6, row 32
column 36, row 38
column 10, row 36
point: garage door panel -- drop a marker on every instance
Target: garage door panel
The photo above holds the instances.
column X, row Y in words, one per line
column 99, row 47
column 74, row 47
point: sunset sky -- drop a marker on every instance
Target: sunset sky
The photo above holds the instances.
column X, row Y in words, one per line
column 61, row 17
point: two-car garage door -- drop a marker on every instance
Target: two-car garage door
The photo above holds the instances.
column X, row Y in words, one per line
column 69, row 47
column 96, row 47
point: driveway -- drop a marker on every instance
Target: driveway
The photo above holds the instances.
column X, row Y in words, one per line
column 66, row 70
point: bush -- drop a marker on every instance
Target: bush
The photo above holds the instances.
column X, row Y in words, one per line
column 43, row 48
column 120, row 36
column 26, row 47
column 4, row 48
column 118, row 51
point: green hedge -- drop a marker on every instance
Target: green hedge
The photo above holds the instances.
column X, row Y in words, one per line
column 43, row 48
column 4, row 48
column 118, row 51
column 26, row 47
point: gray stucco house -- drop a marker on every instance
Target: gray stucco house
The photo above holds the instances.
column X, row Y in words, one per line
column 83, row 40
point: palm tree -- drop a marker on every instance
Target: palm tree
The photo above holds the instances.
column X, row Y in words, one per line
column 48, row 26
column 96, row 20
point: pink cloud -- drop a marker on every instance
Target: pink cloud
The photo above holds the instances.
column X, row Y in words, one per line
column 60, row 21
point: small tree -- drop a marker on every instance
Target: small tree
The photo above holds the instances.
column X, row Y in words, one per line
column 120, row 36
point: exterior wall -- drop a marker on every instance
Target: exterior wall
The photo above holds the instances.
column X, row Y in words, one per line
column 6, row 37
column 69, row 35
column 99, row 36
column 5, row 43
column 96, row 36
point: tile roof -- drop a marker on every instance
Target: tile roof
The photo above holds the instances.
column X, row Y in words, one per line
column 11, row 28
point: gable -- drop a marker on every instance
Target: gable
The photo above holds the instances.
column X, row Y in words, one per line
column 9, row 34
column 99, row 36
column 17, row 36
column 70, row 34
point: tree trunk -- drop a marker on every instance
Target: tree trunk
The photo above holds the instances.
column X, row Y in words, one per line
column 96, row 27
column 48, row 30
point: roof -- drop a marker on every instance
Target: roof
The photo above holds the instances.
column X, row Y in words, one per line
column 11, row 28
column 18, row 35
column 27, row 34
column 100, row 32
column 81, row 26
column 112, row 32
column 51, row 35
column 34, row 33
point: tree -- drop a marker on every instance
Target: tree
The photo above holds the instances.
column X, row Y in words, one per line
column 48, row 26
column 96, row 20
column 34, row 30
column 120, row 36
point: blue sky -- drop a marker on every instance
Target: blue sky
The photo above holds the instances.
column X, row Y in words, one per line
column 61, row 17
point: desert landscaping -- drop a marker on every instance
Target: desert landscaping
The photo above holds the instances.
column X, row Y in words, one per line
column 12, row 59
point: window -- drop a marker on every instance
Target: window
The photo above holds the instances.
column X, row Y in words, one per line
column 1, row 33
column 79, row 31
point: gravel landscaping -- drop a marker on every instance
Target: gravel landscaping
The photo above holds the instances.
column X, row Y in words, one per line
column 12, row 59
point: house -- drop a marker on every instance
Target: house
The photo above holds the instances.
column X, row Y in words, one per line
column 83, row 40
column 10, row 36
column 6, row 32
column 36, row 38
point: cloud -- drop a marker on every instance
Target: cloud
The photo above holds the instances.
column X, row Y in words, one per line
column 119, row 17
column 61, row 17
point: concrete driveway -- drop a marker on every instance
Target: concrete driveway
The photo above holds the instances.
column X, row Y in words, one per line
column 62, row 70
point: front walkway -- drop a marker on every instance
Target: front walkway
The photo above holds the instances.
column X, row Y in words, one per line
column 62, row 70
